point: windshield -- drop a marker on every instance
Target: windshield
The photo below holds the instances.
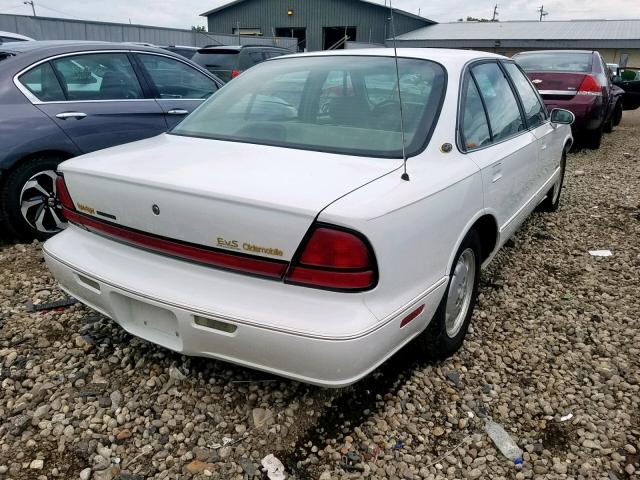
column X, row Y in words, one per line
column 341, row 104
column 555, row 62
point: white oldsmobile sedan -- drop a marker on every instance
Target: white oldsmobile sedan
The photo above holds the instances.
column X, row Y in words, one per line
column 275, row 227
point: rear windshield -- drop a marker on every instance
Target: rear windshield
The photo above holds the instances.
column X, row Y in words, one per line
column 555, row 62
column 340, row 104
column 216, row 60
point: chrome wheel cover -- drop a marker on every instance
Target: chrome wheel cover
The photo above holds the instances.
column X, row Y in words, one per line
column 460, row 292
column 38, row 204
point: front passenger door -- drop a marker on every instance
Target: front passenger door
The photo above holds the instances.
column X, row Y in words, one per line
column 178, row 88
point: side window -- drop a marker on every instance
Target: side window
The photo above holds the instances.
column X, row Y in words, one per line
column 42, row 82
column 174, row 79
column 99, row 76
column 475, row 128
column 504, row 114
column 534, row 110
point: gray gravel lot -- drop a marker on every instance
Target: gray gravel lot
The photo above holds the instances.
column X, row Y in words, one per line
column 555, row 333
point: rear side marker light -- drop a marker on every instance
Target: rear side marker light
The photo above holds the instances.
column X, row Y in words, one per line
column 590, row 86
column 412, row 316
column 335, row 259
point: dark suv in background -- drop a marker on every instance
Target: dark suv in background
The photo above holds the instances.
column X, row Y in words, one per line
column 579, row 81
column 62, row 99
column 227, row 62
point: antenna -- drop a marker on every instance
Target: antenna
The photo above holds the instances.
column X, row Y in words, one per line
column 495, row 13
column 405, row 175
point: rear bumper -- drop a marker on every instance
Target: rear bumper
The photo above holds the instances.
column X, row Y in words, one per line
column 325, row 338
column 588, row 110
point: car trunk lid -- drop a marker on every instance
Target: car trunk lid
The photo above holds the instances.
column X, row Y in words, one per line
column 250, row 199
column 558, row 85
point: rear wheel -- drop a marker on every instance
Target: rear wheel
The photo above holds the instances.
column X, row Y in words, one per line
column 551, row 203
column 593, row 138
column 446, row 332
column 28, row 204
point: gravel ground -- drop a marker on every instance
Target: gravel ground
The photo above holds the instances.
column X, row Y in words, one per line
column 555, row 334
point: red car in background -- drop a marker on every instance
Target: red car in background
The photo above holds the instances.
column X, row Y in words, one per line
column 579, row 81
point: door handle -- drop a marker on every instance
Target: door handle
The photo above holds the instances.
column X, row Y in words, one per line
column 178, row 111
column 76, row 115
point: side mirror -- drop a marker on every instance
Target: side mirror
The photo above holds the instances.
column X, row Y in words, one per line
column 562, row 116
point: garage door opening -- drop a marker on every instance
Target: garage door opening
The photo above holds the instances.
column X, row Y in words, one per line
column 299, row 34
column 336, row 37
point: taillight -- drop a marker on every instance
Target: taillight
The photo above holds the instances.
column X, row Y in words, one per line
column 62, row 193
column 590, row 86
column 235, row 73
column 335, row 259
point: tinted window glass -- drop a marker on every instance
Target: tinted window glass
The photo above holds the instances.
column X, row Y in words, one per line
column 555, row 61
column 502, row 107
column 335, row 104
column 42, row 82
column 256, row 57
column 174, row 79
column 101, row 76
column 475, row 129
column 534, row 110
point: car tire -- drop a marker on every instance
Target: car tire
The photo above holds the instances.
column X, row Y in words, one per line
column 551, row 202
column 446, row 332
column 593, row 138
column 617, row 114
column 29, row 193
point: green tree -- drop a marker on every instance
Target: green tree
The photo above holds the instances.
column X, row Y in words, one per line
column 199, row 28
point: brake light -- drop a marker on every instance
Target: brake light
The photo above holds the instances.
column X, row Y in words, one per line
column 335, row 259
column 62, row 193
column 590, row 86
column 235, row 73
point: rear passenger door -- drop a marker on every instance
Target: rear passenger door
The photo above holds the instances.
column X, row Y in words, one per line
column 550, row 140
column 104, row 101
column 493, row 132
column 177, row 87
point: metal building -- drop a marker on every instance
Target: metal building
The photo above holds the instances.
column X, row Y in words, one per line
column 316, row 24
column 46, row 28
column 612, row 38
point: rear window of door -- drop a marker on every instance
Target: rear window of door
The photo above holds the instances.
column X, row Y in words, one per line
column 41, row 81
column 502, row 107
column 475, row 127
column 174, row 79
column 534, row 110
column 99, row 76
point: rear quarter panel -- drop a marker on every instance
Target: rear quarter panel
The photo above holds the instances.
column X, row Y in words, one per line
column 414, row 227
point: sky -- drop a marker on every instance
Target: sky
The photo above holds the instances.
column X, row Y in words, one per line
column 184, row 13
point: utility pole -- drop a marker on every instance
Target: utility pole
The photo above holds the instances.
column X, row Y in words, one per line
column 542, row 12
column 495, row 13
column 33, row 7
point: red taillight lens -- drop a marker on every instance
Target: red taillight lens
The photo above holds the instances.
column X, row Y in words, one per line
column 335, row 259
column 335, row 249
column 62, row 193
column 235, row 73
column 589, row 86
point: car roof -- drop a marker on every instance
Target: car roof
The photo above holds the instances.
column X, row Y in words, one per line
column 241, row 47
column 63, row 46
column 555, row 51
column 440, row 55
column 14, row 35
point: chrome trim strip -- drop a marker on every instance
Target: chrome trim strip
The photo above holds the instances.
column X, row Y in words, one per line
column 251, row 323
column 568, row 93
column 34, row 100
column 528, row 202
